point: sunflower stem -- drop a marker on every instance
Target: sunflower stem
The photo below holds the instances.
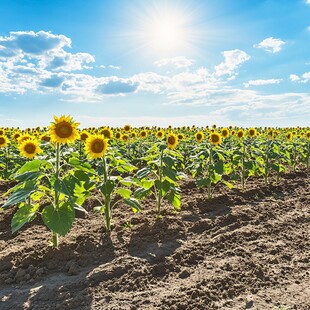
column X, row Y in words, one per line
column 209, row 173
column 243, row 167
column 107, row 200
column 55, row 236
column 160, row 174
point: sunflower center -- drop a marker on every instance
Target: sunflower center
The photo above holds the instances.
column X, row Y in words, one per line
column 106, row 133
column 199, row 136
column 84, row 136
column 30, row 148
column 171, row 140
column 63, row 130
column 240, row 134
column 215, row 138
column 252, row 132
column 225, row 133
column 97, row 146
column 2, row 141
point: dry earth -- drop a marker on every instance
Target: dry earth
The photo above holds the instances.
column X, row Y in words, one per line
column 240, row 250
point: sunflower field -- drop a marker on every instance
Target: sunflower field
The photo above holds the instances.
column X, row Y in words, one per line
column 54, row 170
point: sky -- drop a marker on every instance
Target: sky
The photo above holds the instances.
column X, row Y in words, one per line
column 155, row 62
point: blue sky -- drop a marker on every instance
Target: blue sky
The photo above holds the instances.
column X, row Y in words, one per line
column 240, row 62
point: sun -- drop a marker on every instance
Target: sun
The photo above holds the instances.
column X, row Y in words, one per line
column 166, row 32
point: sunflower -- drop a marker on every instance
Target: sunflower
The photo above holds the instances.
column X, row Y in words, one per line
column 240, row 133
column 215, row 138
column 84, row 135
column 96, row 146
column 159, row 134
column 308, row 135
column 118, row 135
column 29, row 148
column 2, row 131
column 16, row 135
column 4, row 141
column 289, row 136
column 180, row 136
column 252, row 132
column 225, row 132
column 45, row 137
column 143, row 134
column 63, row 130
column 125, row 137
column 172, row 141
column 127, row 128
column 199, row 136
column 23, row 137
column 107, row 132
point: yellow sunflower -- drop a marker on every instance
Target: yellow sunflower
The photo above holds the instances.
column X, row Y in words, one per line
column 289, row 136
column 107, row 132
column 215, row 138
column 127, row 128
column 45, row 137
column 180, row 136
column 4, row 141
column 30, row 148
column 125, row 137
column 143, row 134
column 23, row 137
column 172, row 141
column 84, row 135
column 2, row 131
column 252, row 132
column 240, row 134
column 308, row 135
column 225, row 132
column 63, row 130
column 118, row 135
column 96, row 146
column 199, row 136
column 159, row 134
column 16, row 135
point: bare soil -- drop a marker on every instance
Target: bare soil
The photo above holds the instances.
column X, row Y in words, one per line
column 239, row 250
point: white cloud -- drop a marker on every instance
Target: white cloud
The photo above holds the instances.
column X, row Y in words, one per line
column 308, row 1
column 179, row 62
column 271, row 45
column 232, row 60
column 305, row 78
column 114, row 67
column 262, row 82
column 308, row 28
column 294, row 78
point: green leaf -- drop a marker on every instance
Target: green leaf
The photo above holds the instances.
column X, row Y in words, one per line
column 23, row 215
column 84, row 166
column 219, row 167
column 33, row 165
column 81, row 175
column 29, row 175
column 175, row 199
column 144, row 172
column 107, row 188
column 141, row 193
column 134, row 204
column 171, row 174
column 124, row 192
column 21, row 194
column 59, row 220
column 229, row 185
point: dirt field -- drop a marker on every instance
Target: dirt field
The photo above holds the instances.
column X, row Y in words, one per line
column 240, row 250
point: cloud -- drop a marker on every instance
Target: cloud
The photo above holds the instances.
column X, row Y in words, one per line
column 116, row 87
column 308, row 1
column 262, row 82
column 308, row 28
column 305, row 78
column 294, row 78
column 30, row 42
column 271, row 45
column 232, row 60
column 53, row 81
column 179, row 62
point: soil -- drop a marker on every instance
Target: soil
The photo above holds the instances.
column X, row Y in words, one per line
column 240, row 250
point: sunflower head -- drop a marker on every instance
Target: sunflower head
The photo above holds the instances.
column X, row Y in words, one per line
column 159, row 134
column 45, row 137
column 180, row 136
column 172, row 141
column 2, row 131
column 107, row 132
column 125, row 137
column 127, row 128
column 199, row 136
column 143, row 134
column 118, row 135
column 308, row 135
column 252, row 132
column 84, row 135
column 96, row 146
column 29, row 148
column 4, row 141
column 215, row 138
column 63, row 130
column 240, row 133
column 225, row 133
column 289, row 136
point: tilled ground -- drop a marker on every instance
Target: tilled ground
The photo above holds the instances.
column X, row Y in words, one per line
column 239, row 250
